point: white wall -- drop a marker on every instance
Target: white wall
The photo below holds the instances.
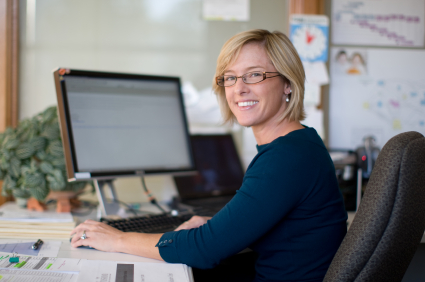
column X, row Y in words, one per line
column 166, row 37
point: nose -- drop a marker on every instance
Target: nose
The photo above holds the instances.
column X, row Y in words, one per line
column 240, row 87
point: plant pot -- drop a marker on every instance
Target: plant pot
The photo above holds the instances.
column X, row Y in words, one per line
column 21, row 202
column 63, row 198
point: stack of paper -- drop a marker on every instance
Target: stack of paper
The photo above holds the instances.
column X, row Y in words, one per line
column 20, row 223
column 82, row 270
column 114, row 271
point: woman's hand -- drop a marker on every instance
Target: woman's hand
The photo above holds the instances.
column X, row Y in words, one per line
column 98, row 235
column 194, row 222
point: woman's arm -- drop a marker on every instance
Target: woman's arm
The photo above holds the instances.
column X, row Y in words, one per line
column 106, row 238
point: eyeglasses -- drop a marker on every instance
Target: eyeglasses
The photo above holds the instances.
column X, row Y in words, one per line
column 248, row 78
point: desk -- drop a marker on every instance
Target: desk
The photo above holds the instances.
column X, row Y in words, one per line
column 66, row 251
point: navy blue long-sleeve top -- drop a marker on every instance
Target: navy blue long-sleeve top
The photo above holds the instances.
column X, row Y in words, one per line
column 289, row 210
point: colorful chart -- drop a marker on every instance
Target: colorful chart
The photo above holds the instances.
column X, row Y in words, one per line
column 385, row 98
column 378, row 22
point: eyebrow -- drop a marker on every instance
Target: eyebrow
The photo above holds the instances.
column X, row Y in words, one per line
column 248, row 69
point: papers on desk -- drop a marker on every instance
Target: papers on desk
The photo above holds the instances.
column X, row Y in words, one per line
column 82, row 270
column 20, row 223
column 133, row 271
column 36, row 276
column 66, row 265
column 31, row 230
column 47, row 249
column 43, row 266
column 11, row 212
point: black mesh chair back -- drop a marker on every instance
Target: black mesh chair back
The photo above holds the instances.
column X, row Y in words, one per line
column 390, row 221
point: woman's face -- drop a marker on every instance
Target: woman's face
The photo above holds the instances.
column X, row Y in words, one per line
column 266, row 99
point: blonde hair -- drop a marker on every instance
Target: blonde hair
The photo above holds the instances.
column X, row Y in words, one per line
column 283, row 56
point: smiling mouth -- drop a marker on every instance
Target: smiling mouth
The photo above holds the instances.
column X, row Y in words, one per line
column 245, row 104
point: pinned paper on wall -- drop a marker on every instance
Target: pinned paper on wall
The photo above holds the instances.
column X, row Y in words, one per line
column 378, row 23
column 311, row 94
column 316, row 73
column 225, row 10
column 314, row 119
column 382, row 99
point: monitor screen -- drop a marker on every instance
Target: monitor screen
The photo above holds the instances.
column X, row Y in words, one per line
column 116, row 124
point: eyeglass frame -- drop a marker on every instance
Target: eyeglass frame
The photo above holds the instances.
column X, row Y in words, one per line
column 242, row 76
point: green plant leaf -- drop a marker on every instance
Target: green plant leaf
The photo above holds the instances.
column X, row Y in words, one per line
column 40, row 193
column 24, row 151
column 5, row 153
column 49, row 114
column 55, row 148
column 8, row 183
column 59, row 163
column 38, row 143
column 56, row 180
column 15, row 167
column 4, row 163
column 51, row 132
column 10, row 141
column 32, row 180
column 46, row 167
column 21, row 193
column 41, row 155
column 25, row 169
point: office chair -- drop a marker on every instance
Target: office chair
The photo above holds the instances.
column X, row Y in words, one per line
column 390, row 221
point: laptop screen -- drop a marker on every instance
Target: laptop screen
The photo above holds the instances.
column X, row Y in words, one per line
column 220, row 171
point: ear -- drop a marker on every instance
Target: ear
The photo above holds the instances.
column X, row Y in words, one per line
column 287, row 89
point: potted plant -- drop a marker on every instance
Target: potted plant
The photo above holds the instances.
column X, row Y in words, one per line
column 32, row 161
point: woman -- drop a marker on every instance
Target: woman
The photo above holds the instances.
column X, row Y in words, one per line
column 289, row 209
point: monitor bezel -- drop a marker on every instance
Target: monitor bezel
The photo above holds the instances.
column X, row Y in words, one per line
column 73, row 173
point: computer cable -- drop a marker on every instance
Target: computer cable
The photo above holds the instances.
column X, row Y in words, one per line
column 151, row 198
column 131, row 209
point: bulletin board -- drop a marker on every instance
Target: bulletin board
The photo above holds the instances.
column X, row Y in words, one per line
column 377, row 84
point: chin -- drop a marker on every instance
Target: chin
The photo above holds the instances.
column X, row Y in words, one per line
column 245, row 123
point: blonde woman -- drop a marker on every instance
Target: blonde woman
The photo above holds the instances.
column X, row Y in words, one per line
column 289, row 210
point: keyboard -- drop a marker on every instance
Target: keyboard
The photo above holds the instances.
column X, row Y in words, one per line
column 149, row 223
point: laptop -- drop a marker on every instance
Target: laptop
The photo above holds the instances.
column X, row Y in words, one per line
column 219, row 174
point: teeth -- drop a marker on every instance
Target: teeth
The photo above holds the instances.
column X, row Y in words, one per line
column 244, row 104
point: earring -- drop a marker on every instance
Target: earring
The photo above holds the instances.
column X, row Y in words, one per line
column 287, row 98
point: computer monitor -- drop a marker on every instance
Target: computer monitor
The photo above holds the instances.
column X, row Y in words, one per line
column 117, row 124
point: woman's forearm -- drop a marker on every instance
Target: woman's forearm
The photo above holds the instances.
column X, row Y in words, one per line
column 140, row 244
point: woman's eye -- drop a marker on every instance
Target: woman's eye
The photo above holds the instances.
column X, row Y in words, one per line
column 229, row 78
column 255, row 74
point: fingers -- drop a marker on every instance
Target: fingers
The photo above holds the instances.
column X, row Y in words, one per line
column 184, row 225
column 78, row 231
column 194, row 222
column 78, row 236
column 97, row 234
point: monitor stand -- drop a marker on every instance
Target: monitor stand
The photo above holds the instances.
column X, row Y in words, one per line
column 108, row 207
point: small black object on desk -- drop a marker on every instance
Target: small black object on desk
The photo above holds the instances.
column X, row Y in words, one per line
column 37, row 244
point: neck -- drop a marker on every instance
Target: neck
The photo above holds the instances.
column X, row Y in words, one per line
column 265, row 135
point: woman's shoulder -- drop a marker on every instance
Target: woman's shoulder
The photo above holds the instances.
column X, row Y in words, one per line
column 297, row 147
column 303, row 139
